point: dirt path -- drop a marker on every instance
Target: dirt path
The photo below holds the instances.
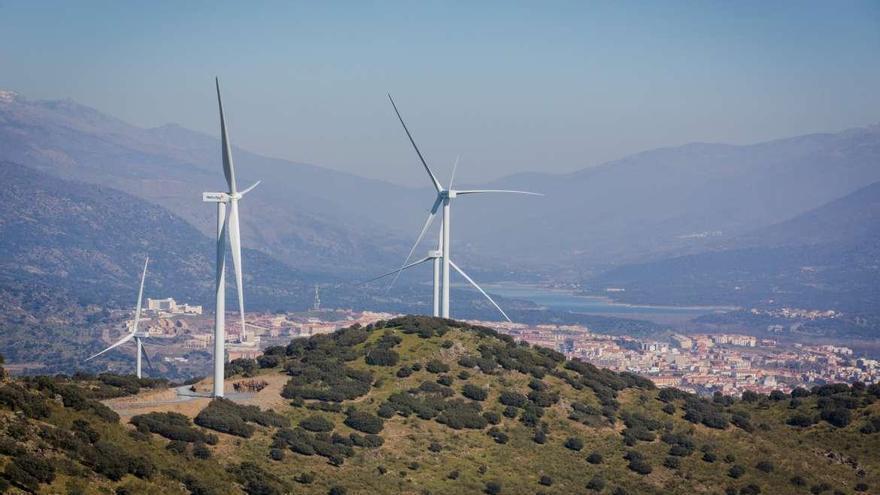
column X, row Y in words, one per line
column 187, row 402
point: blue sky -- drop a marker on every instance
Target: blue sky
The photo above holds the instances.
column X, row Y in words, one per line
column 511, row 86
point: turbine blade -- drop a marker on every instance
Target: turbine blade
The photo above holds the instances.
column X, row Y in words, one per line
column 465, row 275
column 411, row 140
column 428, row 222
column 257, row 183
column 228, row 167
column 454, row 167
column 146, row 357
column 414, row 263
column 235, row 245
column 137, row 312
column 481, row 191
column 118, row 343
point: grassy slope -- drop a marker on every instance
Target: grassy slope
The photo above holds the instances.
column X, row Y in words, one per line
column 518, row 464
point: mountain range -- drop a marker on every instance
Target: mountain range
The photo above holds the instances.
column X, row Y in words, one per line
column 825, row 258
column 649, row 205
column 701, row 223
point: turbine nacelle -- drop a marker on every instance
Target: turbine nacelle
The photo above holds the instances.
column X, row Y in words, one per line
column 215, row 197
column 225, row 197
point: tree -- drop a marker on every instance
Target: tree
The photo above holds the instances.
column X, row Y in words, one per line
column 838, row 417
column 595, row 458
column 736, row 471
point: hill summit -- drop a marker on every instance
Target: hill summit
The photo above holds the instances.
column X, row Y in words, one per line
column 424, row 405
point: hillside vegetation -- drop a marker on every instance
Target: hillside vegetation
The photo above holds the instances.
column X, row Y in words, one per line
column 423, row 405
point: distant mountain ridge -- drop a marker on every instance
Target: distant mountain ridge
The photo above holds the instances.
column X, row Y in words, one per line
column 647, row 206
column 171, row 166
column 826, row 258
column 92, row 241
column 657, row 203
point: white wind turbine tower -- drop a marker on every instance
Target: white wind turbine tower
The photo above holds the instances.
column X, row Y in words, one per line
column 226, row 226
column 133, row 334
column 443, row 258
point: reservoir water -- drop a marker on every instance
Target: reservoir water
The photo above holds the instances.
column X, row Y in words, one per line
column 568, row 300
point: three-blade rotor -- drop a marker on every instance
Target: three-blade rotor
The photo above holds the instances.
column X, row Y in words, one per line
column 137, row 317
column 444, row 199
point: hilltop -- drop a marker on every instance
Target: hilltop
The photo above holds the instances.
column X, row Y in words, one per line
column 422, row 405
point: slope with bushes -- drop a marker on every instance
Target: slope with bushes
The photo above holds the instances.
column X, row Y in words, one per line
column 424, row 405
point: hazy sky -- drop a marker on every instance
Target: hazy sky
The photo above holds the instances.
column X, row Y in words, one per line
column 511, row 86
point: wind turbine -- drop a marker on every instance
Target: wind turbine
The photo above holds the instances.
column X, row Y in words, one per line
column 134, row 331
column 226, row 226
column 444, row 198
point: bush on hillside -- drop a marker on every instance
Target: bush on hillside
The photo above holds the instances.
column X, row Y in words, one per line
column 474, row 392
column 364, row 422
column 173, row 426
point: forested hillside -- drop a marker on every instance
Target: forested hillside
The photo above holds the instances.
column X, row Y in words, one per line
column 420, row 405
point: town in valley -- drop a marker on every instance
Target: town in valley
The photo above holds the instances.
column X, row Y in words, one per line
column 702, row 363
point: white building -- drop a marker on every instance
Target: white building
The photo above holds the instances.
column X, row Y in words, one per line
column 170, row 306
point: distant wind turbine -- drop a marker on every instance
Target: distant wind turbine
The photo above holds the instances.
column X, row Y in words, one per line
column 442, row 258
column 226, row 226
column 134, row 334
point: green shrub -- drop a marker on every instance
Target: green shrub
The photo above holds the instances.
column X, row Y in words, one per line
column 173, row 426
column 316, row 423
column 257, row 481
column 382, row 357
column 474, row 392
column 514, row 399
column 596, row 483
column 736, row 471
column 29, row 471
column 437, row 366
column 574, row 443
column 492, row 417
column 364, row 422
column 226, row 416
column 241, row 366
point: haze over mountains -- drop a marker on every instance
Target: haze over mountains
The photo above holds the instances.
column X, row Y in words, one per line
column 658, row 204
column 825, row 258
